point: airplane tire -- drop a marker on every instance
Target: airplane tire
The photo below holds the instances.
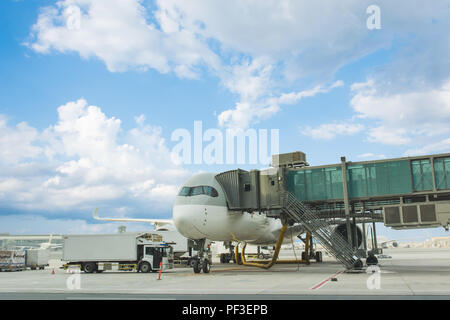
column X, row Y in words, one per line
column 196, row 266
column 371, row 260
column 318, row 256
column 206, row 266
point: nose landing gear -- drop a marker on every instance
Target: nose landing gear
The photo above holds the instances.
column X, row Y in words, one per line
column 203, row 260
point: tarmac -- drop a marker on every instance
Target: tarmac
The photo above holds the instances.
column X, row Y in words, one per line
column 406, row 273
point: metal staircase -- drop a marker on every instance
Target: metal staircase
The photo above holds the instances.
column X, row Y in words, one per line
column 333, row 242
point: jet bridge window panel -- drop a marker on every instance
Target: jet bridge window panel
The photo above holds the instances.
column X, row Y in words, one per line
column 422, row 175
column 442, row 173
column 378, row 179
column 399, row 177
column 315, row 184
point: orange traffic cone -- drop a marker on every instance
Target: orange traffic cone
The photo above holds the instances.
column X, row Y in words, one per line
column 160, row 269
column 53, row 271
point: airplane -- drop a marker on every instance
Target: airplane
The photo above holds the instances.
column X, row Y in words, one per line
column 201, row 214
column 42, row 246
column 160, row 224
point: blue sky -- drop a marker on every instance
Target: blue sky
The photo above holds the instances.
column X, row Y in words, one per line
column 90, row 93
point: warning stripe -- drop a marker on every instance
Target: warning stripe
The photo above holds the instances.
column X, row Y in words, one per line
column 320, row 284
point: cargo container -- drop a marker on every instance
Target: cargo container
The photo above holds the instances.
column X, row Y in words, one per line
column 37, row 258
column 12, row 260
column 143, row 252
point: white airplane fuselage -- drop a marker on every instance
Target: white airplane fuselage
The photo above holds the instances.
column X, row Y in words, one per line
column 200, row 211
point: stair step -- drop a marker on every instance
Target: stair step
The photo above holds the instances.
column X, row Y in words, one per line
column 333, row 242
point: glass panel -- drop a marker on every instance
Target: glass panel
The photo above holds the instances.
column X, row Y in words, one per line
column 196, row 191
column 439, row 172
column 422, row 175
column 427, row 175
column 184, row 191
column 357, row 181
column 442, row 173
column 399, row 177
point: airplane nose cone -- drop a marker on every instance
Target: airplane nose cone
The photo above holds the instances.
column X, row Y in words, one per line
column 185, row 218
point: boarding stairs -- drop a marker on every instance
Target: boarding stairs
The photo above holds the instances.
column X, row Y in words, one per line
column 332, row 241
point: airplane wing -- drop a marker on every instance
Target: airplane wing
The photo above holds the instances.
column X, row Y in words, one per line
column 157, row 222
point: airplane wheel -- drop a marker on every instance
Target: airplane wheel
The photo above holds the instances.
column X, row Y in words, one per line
column 371, row 260
column 358, row 264
column 196, row 266
column 318, row 256
column 206, row 266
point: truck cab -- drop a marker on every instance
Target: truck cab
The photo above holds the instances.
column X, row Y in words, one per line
column 154, row 256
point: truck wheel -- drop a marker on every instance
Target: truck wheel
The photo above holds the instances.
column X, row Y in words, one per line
column 196, row 266
column 206, row 266
column 145, row 267
column 90, row 267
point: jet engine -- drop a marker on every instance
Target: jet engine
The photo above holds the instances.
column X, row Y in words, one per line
column 342, row 230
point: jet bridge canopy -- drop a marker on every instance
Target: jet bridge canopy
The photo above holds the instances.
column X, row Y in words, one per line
column 411, row 192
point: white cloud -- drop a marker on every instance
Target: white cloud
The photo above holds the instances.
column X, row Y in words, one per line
column 371, row 155
column 91, row 162
column 17, row 143
column 440, row 146
column 262, row 107
column 329, row 131
column 116, row 32
column 255, row 58
column 403, row 118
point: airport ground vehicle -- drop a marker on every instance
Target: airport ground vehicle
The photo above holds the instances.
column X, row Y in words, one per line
column 37, row 258
column 143, row 252
column 12, row 260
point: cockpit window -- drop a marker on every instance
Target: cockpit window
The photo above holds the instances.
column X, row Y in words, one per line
column 185, row 191
column 210, row 191
column 197, row 190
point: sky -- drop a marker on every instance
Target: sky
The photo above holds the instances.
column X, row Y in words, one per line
column 92, row 92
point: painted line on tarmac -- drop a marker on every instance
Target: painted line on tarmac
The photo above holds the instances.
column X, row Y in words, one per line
column 321, row 284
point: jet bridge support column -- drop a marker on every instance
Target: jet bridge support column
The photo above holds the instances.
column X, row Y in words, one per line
column 346, row 201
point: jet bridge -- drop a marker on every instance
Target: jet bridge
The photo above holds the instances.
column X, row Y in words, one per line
column 403, row 193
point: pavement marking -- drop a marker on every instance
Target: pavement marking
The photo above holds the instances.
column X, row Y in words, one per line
column 320, row 284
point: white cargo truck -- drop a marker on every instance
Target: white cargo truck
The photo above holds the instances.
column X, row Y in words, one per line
column 143, row 252
column 37, row 258
column 12, row 260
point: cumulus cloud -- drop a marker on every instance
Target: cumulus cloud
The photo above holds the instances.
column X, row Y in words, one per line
column 254, row 58
column 91, row 162
column 273, row 53
column 17, row 142
column 117, row 32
